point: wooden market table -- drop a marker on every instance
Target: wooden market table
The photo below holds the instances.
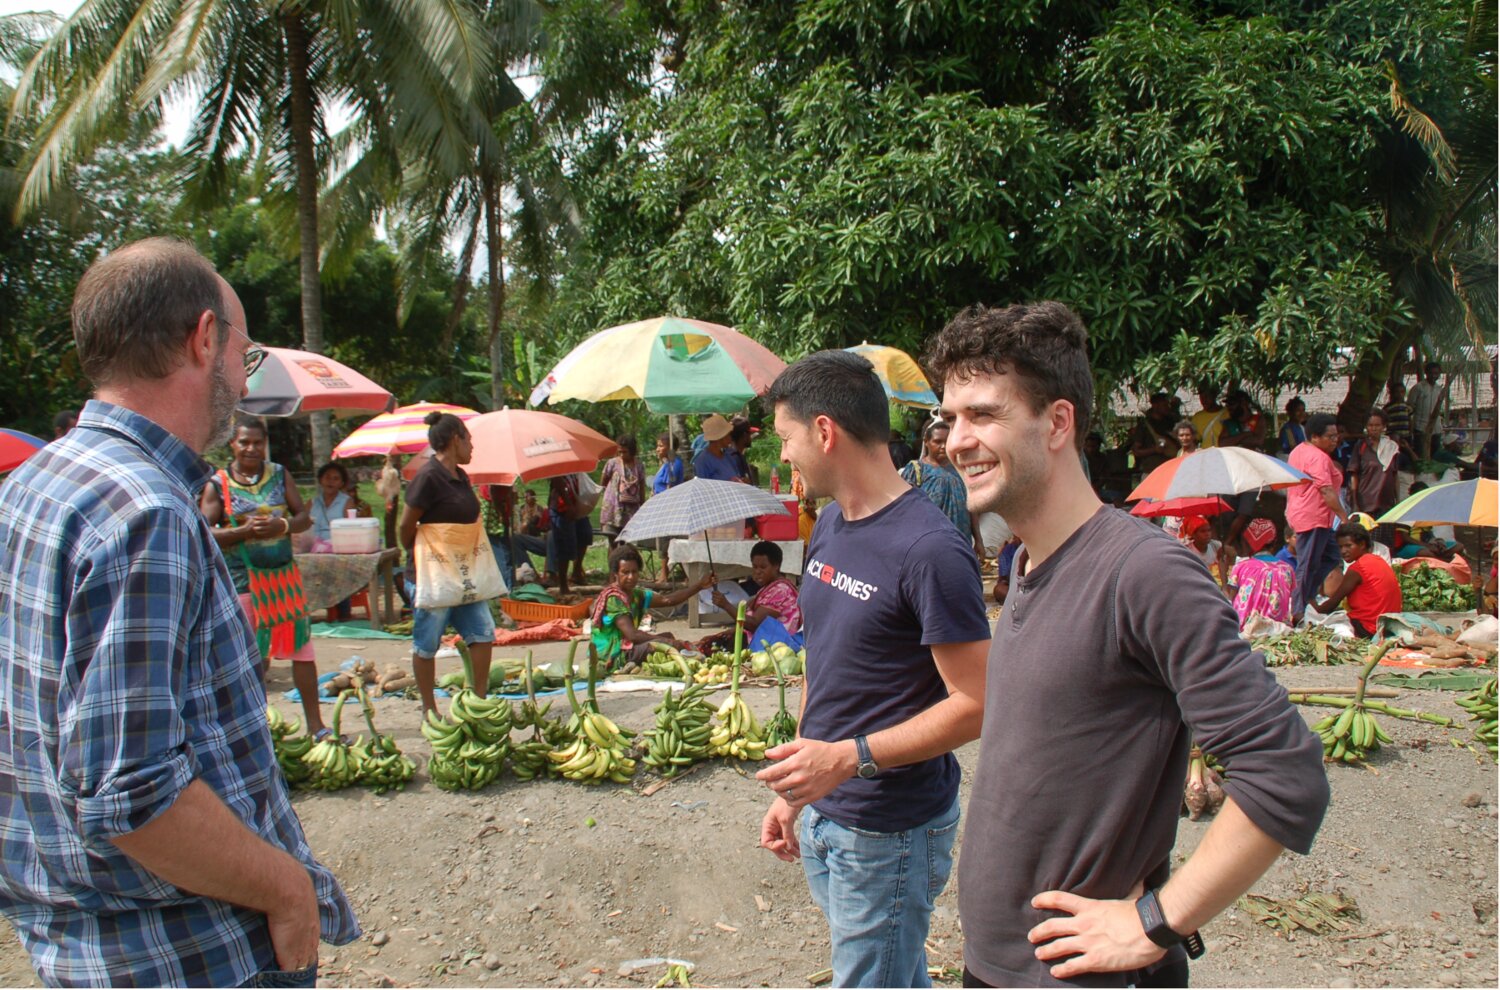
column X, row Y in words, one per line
column 731, row 559
column 329, row 578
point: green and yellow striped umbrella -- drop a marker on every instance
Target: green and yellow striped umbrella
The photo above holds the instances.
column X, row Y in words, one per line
column 1458, row 503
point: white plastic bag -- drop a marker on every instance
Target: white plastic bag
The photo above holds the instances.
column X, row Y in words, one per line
column 455, row 565
column 588, row 491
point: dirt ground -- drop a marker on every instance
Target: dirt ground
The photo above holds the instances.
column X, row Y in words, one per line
column 513, row 887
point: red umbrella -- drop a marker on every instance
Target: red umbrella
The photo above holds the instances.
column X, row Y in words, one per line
column 16, row 446
column 525, row 444
column 1150, row 508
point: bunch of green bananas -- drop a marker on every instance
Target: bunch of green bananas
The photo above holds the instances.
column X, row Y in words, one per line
column 664, row 660
column 680, row 737
column 782, row 727
column 290, row 748
column 1350, row 735
column 334, row 764
column 528, row 760
column 599, row 749
column 466, row 752
column 385, row 767
column 739, row 734
column 1482, row 707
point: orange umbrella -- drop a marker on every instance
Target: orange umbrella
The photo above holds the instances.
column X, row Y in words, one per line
column 524, row 444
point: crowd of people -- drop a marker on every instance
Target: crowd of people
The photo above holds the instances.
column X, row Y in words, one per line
column 147, row 830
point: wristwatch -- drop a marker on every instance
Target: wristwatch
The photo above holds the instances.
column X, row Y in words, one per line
column 1154, row 922
column 867, row 767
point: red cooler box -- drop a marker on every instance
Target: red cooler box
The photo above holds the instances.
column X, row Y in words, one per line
column 779, row 528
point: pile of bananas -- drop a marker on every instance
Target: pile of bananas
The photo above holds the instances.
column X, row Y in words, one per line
column 782, row 727
column 1482, row 707
column 599, row 749
column 664, row 660
column 290, row 747
column 470, row 745
column 334, row 764
column 680, row 737
column 1350, row 735
column 386, row 768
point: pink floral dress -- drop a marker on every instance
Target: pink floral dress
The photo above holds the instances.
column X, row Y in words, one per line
column 1264, row 588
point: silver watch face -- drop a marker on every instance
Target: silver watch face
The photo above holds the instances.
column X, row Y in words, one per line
column 868, row 770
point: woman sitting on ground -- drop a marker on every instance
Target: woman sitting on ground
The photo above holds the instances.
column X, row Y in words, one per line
column 1197, row 535
column 1261, row 584
column 1369, row 584
column 773, row 614
column 620, row 608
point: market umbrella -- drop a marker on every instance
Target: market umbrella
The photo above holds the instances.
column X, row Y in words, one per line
column 525, row 444
column 676, row 365
column 290, row 383
column 1458, row 503
column 1150, row 508
column 16, row 446
column 696, row 506
column 401, row 431
column 1227, row 471
column 900, row 375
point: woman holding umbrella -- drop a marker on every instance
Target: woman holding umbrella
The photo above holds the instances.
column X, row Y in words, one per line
column 255, row 510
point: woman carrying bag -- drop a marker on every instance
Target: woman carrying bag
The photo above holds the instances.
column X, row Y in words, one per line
column 453, row 569
column 255, row 511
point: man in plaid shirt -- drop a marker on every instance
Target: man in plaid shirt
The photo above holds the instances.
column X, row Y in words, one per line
column 146, row 836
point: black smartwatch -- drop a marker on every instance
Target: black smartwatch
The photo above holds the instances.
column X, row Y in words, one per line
column 1154, row 922
column 867, row 767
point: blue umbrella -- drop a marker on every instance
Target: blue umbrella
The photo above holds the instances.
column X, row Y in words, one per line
column 696, row 506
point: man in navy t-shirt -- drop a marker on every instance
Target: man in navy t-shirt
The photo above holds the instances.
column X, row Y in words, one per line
column 893, row 611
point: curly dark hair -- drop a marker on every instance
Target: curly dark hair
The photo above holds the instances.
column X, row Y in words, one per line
column 620, row 554
column 1044, row 344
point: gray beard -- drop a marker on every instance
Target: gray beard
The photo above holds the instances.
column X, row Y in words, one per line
column 221, row 404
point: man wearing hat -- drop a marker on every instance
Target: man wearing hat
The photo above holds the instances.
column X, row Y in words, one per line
column 714, row 462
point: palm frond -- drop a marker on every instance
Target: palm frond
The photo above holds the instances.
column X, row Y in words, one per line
column 1420, row 126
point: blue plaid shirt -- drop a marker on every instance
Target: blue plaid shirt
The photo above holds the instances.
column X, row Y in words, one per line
column 127, row 670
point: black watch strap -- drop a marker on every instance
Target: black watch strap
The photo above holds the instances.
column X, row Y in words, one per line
column 1154, row 923
column 862, row 748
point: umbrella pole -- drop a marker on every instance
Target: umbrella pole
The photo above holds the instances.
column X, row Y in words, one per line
column 708, row 548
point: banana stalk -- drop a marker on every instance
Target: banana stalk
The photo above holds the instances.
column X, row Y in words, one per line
column 1411, row 715
column 386, row 769
column 739, row 735
column 782, row 727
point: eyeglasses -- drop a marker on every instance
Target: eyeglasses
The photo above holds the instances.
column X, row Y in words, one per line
column 255, row 355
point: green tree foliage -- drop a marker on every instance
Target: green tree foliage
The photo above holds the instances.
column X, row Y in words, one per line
column 1201, row 180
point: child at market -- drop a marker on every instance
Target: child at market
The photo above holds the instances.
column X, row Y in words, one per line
column 618, row 611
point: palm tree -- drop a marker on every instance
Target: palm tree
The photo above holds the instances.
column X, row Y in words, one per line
column 264, row 75
column 463, row 192
column 1436, row 183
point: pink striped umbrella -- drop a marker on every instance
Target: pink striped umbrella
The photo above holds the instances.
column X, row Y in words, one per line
column 401, row 431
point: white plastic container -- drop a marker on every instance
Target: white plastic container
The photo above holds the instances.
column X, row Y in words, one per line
column 355, row 535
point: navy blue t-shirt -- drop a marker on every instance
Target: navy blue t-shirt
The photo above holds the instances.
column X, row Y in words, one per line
column 707, row 465
column 877, row 593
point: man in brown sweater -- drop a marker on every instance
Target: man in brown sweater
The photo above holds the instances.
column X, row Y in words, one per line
column 1095, row 690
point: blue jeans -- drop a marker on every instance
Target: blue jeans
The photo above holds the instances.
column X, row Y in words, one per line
column 273, row 979
column 877, row 890
column 473, row 622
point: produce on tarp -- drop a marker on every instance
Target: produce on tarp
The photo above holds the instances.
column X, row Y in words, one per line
column 1315, row 645
column 1432, row 589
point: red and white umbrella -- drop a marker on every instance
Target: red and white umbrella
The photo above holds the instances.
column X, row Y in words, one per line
column 401, row 431
column 1152, row 508
column 291, row 382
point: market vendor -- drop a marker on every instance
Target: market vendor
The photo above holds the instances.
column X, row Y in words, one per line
column 1369, row 583
column 255, row 507
column 620, row 608
column 772, row 615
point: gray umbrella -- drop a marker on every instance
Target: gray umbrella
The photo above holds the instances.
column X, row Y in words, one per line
column 699, row 505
